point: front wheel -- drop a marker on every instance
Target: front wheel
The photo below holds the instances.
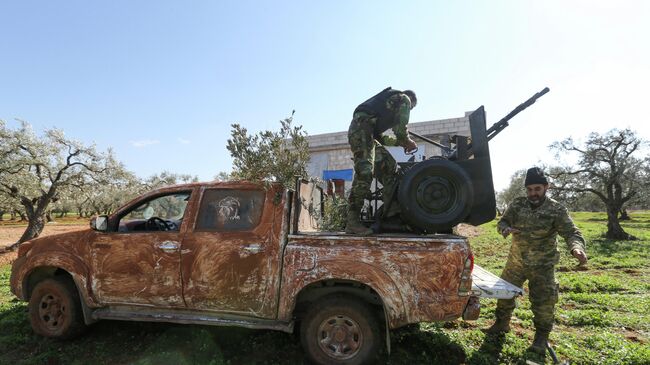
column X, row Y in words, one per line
column 55, row 310
column 340, row 330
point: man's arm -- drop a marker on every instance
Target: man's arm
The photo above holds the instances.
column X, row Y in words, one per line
column 575, row 242
column 504, row 227
column 401, row 104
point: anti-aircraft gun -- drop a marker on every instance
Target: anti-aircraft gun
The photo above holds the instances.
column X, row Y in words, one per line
column 456, row 187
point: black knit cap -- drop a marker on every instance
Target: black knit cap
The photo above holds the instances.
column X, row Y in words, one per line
column 535, row 175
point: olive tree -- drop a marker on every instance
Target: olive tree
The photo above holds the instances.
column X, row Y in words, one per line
column 113, row 188
column 223, row 176
column 35, row 168
column 8, row 205
column 514, row 190
column 166, row 178
column 608, row 167
column 117, row 187
column 277, row 156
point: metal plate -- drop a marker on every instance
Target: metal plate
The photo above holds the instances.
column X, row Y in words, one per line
column 487, row 285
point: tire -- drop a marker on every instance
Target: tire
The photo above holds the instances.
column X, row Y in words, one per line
column 340, row 330
column 55, row 309
column 435, row 195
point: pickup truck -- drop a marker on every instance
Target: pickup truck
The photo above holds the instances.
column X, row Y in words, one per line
column 245, row 254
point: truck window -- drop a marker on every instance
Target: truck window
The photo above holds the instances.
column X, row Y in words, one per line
column 230, row 210
column 163, row 213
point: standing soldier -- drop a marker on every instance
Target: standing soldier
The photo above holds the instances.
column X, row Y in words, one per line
column 535, row 222
column 388, row 109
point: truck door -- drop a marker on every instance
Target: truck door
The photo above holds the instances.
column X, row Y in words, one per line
column 231, row 257
column 139, row 261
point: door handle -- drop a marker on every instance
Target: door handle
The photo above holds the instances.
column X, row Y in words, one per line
column 254, row 248
column 168, row 246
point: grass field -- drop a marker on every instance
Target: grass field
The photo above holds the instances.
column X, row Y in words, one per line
column 603, row 317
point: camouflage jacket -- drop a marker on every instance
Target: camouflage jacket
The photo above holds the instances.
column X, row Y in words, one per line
column 536, row 244
column 400, row 104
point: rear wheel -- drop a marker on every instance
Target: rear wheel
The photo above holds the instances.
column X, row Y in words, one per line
column 55, row 310
column 435, row 195
column 340, row 330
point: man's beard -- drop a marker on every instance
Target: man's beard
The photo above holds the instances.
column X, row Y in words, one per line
column 537, row 200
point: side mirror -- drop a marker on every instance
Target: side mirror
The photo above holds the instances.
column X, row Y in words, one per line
column 99, row 223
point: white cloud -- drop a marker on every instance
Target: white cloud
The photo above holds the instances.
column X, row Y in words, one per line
column 144, row 143
column 183, row 140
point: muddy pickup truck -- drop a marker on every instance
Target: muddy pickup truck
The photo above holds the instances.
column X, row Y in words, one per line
column 246, row 254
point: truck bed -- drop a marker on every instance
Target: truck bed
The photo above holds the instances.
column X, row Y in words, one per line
column 384, row 237
column 484, row 283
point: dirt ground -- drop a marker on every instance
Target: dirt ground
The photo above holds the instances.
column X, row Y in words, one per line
column 467, row 230
column 11, row 233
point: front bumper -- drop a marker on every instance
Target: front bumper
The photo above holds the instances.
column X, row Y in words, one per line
column 14, row 281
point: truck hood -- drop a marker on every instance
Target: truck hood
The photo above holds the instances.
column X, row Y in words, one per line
column 67, row 241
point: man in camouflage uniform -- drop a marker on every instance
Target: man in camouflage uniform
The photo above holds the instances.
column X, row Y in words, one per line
column 388, row 109
column 535, row 221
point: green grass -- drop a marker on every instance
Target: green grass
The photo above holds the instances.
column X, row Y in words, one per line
column 602, row 317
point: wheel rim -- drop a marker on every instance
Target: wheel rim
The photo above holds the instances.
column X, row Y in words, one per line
column 340, row 337
column 437, row 195
column 52, row 312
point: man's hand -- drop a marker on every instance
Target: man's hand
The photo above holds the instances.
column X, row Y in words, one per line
column 410, row 146
column 506, row 231
column 580, row 255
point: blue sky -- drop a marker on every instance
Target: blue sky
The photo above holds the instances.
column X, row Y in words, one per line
column 161, row 82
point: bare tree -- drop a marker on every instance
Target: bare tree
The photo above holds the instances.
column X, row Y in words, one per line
column 607, row 168
column 33, row 169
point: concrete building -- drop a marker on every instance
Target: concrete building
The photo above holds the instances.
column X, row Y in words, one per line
column 331, row 158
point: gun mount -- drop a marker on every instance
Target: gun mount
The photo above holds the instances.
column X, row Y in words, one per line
column 455, row 187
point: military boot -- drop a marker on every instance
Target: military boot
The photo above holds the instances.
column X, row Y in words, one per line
column 500, row 326
column 539, row 343
column 354, row 226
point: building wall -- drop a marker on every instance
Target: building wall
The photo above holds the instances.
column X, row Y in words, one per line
column 331, row 151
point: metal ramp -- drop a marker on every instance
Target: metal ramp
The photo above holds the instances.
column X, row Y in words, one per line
column 487, row 285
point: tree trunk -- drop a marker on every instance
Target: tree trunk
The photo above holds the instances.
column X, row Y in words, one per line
column 23, row 216
column 34, row 228
column 2, row 212
column 48, row 216
column 614, row 229
column 36, row 210
column 624, row 216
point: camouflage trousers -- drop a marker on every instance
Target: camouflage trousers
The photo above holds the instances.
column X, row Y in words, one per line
column 543, row 292
column 370, row 158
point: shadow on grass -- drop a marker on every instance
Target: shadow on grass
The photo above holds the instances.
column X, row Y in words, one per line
column 116, row 342
column 143, row 343
column 490, row 350
column 410, row 345
column 609, row 247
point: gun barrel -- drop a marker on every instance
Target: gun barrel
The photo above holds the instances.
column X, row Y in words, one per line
column 501, row 124
column 442, row 146
column 497, row 127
